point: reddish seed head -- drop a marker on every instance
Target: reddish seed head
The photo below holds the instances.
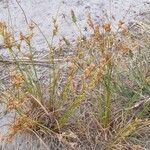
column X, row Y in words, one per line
column 107, row 27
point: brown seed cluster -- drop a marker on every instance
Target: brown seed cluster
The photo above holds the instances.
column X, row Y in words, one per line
column 17, row 79
column 13, row 104
column 21, row 123
column 107, row 27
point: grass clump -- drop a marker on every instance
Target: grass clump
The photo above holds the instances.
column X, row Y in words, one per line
column 95, row 98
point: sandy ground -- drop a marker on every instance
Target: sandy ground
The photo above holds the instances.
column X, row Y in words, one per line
column 42, row 11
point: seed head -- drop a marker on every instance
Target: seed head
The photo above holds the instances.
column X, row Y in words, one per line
column 107, row 27
column 121, row 23
column 18, row 79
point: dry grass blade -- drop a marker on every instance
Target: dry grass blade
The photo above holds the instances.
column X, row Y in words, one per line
column 40, row 104
column 126, row 131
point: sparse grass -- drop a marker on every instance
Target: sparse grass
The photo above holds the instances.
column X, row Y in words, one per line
column 101, row 96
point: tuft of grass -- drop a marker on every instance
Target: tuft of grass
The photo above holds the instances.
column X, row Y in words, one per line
column 99, row 90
